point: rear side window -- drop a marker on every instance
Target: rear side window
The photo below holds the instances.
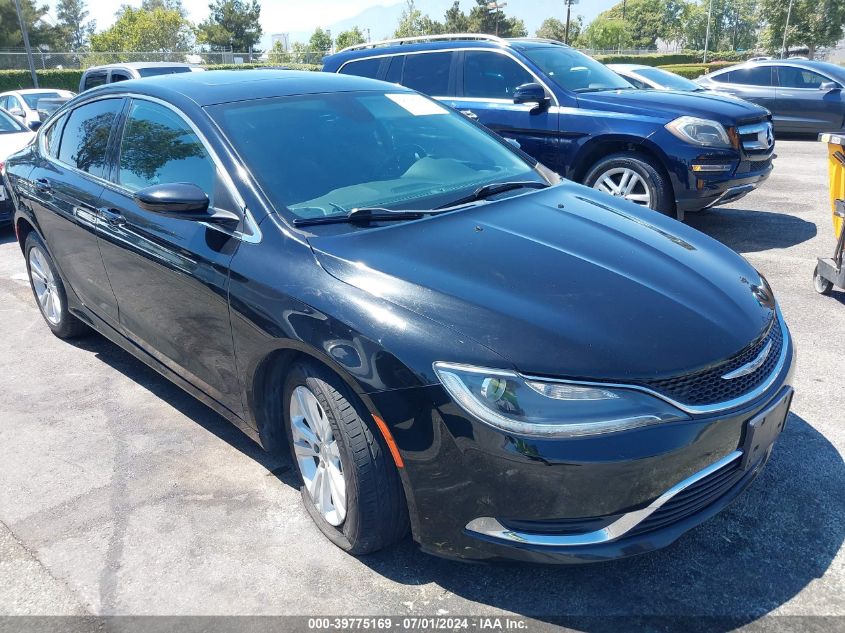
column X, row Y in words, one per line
column 492, row 75
column 428, row 73
column 118, row 75
column 86, row 135
column 94, row 79
column 158, row 147
column 754, row 76
column 362, row 68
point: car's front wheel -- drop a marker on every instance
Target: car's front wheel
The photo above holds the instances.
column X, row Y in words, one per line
column 49, row 290
column 350, row 486
column 633, row 177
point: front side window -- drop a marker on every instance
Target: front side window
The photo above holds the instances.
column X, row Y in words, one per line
column 428, row 73
column 86, row 135
column 752, row 76
column 791, row 77
column 492, row 75
column 362, row 68
column 324, row 154
column 575, row 71
column 95, row 79
column 159, row 147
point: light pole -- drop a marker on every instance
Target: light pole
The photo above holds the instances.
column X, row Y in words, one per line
column 786, row 30
column 568, row 4
column 496, row 7
column 26, row 44
column 707, row 35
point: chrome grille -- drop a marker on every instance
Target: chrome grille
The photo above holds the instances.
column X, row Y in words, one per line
column 708, row 386
column 756, row 138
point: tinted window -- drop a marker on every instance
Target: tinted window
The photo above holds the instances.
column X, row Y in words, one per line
column 95, row 79
column 492, row 75
column 362, row 68
column 86, row 135
column 428, row 73
column 117, row 75
column 753, row 76
column 394, row 70
column 52, row 136
column 791, row 77
column 159, row 147
column 162, row 70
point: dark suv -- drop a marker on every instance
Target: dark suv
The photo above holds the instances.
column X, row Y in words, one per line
column 670, row 151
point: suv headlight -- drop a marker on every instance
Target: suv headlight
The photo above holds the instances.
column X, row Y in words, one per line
column 527, row 406
column 699, row 131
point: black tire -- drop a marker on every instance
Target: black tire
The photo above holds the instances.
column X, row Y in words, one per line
column 820, row 284
column 660, row 189
column 64, row 325
column 376, row 512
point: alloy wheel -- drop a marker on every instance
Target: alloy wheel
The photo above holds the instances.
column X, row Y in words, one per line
column 318, row 455
column 44, row 284
column 624, row 182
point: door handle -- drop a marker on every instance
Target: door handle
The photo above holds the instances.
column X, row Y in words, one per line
column 112, row 217
column 42, row 185
column 470, row 114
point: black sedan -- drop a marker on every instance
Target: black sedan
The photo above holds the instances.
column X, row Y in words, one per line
column 803, row 96
column 444, row 336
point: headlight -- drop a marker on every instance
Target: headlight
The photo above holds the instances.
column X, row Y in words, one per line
column 699, row 131
column 511, row 402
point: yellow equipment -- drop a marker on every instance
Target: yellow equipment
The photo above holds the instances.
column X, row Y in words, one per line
column 829, row 272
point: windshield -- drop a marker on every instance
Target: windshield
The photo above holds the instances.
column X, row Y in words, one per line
column 666, row 79
column 575, row 71
column 32, row 98
column 322, row 155
column 9, row 124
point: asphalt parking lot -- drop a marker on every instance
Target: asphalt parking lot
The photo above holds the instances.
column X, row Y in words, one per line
column 120, row 494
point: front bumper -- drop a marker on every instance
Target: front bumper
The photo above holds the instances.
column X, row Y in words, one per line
column 458, row 470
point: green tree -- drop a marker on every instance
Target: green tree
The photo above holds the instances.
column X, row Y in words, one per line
column 554, row 29
column 172, row 5
column 40, row 32
column 75, row 30
column 160, row 30
column 232, row 25
column 413, row 23
column 456, row 20
column 813, row 23
column 605, row 33
column 320, row 42
column 648, row 20
column 484, row 20
column 350, row 38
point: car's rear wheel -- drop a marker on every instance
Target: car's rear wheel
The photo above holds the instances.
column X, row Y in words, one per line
column 633, row 177
column 49, row 290
column 350, row 486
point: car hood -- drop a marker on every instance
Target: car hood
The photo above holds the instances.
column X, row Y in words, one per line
column 669, row 105
column 562, row 282
column 12, row 142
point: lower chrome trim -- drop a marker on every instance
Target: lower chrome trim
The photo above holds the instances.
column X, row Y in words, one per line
column 488, row 526
column 734, row 193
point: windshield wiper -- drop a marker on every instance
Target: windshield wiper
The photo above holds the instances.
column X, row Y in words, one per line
column 364, row 215
column 496, row 187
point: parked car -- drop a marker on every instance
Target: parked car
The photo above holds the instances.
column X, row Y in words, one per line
column 24, row 104
column 803, row 96
column 14, row 136
column 667, row 151
column 653, row 78
column 442, row 333
column 111, row 73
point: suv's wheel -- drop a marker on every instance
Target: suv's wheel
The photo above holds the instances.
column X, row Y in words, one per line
column 635, row 178
column 351, row 488
column 49, row 290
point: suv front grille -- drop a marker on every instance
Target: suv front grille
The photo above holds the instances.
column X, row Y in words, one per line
column 707, row 387
column 757, row 139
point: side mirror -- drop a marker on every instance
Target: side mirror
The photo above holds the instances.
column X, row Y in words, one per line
column 829, row 86
column 34, row 125
column 182, row 201
column 531, row 93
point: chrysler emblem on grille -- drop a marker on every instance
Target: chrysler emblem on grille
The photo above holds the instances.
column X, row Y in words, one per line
column 750, row 368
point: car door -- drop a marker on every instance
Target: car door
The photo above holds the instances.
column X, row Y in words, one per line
column 170, row 276
column 802, row 106
column 752, row 83
column 486, row 85
column 65, row 185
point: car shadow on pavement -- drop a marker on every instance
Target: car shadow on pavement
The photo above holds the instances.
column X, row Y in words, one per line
column 7, row 234
column 779, row 536
column 747, row 231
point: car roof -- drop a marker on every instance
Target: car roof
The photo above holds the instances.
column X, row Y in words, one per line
column 139, row 65
column 223, row 86
column 27, row 91
column 824, row 67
